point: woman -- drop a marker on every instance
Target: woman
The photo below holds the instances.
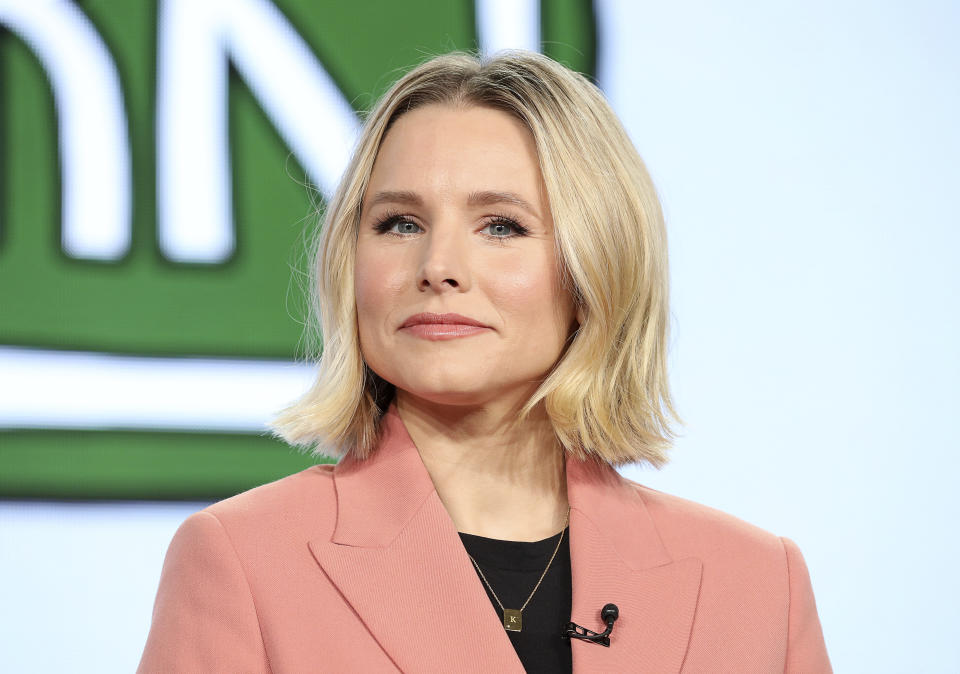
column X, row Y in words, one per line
column 492, row 291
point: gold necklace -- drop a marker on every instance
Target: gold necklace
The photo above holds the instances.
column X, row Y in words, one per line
column 512, row 617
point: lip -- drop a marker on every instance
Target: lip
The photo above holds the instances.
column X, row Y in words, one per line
column 442, row 326
column 442, row 319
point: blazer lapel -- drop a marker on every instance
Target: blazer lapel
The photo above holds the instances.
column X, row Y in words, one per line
column 397, row 558
column 617, row 557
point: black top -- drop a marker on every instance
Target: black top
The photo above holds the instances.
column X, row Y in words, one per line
column 513, row 568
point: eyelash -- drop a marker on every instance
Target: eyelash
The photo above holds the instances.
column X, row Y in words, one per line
column 388, row 220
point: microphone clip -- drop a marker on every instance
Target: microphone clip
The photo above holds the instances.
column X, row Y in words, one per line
column 609, row 614
column 574, row 631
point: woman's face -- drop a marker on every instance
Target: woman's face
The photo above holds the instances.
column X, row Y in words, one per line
column 455, row 220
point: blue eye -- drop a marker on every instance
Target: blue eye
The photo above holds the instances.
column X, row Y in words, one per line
column 505, row 228
column 398, row 225
column 500, row 228
column 404, row 227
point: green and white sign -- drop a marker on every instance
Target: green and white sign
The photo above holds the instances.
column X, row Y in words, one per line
column 161, row 166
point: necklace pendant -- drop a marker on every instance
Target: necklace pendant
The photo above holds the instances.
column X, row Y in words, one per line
column 512, row 619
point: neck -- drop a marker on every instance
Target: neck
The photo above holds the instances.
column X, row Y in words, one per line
column 496, row 477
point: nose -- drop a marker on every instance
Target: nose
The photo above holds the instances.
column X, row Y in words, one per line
column 443, row 263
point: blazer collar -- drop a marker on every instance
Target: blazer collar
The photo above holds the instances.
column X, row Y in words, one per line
column 396, row 556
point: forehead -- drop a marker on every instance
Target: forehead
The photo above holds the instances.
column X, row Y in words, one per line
column 441, row 150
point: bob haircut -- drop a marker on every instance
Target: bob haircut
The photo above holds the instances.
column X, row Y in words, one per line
column 607, row 397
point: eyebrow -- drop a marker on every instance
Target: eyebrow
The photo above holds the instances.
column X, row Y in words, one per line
column 481, row 198
column 488, row 198
column 395, row 197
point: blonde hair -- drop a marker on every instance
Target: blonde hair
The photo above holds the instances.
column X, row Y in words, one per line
column 608, row 396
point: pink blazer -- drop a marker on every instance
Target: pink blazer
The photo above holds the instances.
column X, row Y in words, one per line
column 359, row 568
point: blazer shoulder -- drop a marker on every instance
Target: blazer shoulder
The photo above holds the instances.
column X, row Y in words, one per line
column 753, row 583
column 688, row 528
column 304, row 502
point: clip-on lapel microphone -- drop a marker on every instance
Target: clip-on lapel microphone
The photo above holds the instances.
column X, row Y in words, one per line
column 609, row 614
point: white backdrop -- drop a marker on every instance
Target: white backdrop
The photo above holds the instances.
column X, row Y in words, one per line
column 807, row 158
column 809, row 162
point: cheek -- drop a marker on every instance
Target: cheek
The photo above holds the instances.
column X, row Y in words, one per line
column 378, row 282
column 531, row 293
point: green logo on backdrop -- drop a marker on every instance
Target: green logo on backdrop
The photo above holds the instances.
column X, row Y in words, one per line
column 143, row 300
